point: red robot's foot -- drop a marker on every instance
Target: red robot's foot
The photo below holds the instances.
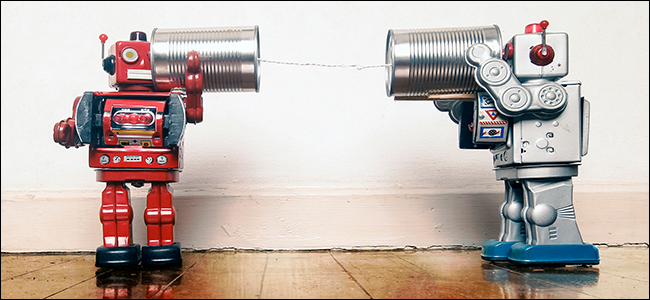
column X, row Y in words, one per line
column 118, row 257
column 160, row 217
column 165, row 255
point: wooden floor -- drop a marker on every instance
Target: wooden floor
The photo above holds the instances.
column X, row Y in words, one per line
column 622, row 273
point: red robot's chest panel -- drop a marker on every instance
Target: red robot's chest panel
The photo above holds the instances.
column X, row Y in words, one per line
column 133, row 122
column 136, row 157
column 137, row 131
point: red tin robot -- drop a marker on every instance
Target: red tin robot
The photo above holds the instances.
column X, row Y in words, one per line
column 135, row 134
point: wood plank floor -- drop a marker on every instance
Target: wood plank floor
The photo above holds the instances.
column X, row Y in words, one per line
column 622, row 273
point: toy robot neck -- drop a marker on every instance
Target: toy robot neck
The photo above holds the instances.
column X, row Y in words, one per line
column 135, row 88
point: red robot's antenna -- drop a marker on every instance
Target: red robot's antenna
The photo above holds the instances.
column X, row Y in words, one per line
column 103, row 38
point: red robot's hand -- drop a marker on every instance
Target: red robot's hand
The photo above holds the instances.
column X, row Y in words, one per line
column 194, row 89
column 64, row 133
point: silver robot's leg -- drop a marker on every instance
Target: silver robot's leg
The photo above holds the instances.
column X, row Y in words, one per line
column 512, row 224
column 548, row 212
column 552, row 234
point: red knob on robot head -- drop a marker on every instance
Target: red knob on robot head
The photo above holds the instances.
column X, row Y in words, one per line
column 538, row 57
column 544, row 24
column 541, row 54
column 533, row 28
column 536, row 27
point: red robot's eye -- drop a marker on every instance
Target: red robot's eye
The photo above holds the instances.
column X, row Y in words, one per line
column 129, row 55
column 133, row 118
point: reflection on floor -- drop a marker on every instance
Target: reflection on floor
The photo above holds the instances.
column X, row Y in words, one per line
column 622, row 273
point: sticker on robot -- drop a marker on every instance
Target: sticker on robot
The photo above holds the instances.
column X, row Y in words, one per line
column 492, row 132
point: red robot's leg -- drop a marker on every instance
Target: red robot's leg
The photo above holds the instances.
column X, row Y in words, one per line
column 116, row 215
column 160, row 217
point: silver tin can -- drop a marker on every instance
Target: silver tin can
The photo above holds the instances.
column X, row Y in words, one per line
column 229, row 57
column 425, row 62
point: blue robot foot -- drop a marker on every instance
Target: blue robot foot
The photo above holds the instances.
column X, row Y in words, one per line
column 112, row 257
column 568, row 254
column 165, row 255
column 494, row 250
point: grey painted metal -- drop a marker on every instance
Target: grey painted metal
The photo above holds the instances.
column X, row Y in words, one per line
column 586, row 110
column 544, row 121
column 229, row 58
column 175, row 121
column 536, row 171
column 512, row 223
column 524, row 70
column 514, row 98
column 452, row 106
column 547, row 140
column 432, row 61
column 84, row 118
column 549, row 213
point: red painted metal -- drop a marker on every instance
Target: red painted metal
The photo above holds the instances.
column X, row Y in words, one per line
column 160, row 215
column 126, row 130
column 538, row 58
column 533, row 28
column 121, row 93
column 64, row 130
column 136, row 175
column 116, row 215
column 543, row 24
column 64, row 133
column 508, row 51
column 114, row 134
column 145, row 158
column 121, row 79
column 194, row 88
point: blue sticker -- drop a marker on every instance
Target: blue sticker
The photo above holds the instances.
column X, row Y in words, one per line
column 486, row 102
column 492, row 132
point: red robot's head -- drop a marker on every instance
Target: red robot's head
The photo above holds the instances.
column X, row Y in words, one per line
column 128, row 63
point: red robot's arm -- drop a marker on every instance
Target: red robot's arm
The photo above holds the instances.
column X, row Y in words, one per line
column 65, row 132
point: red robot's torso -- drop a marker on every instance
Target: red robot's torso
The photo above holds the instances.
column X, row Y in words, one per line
column 138, row 130
column 133, row 132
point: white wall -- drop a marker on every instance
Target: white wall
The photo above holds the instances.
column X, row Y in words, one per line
column 310, row 130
